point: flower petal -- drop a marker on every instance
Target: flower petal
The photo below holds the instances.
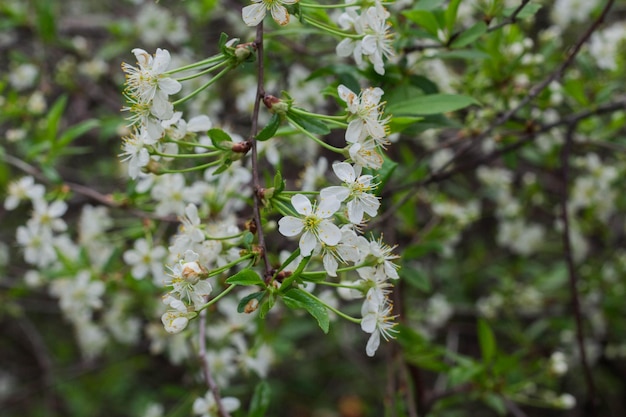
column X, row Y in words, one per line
column 290, row 226
column 253, row 14
column 302, row 204
column 329, row 233
column 280, row 14
column 307, row 243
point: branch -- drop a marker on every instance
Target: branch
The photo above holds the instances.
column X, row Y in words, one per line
column 208, row 378
column 511, row 19
column 256, row 183
column 571, row 269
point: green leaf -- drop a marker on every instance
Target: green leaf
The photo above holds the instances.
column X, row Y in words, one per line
column 487, row 341
column 54, row 117
column 267, row 306
column 384, row 173
column 430, row 104
column 451, row 13
column 416, row 278
column 428, row 4
column 528, row 11
column 279, row 183
column 76, row 131
column 495, row 402
column 220, row 139
column 245, row 300
column 270, row 130
column 245, row 277
column 470, row 35
column 296, row 298
column 260, row 400
column 308, row 123
column 423, row 18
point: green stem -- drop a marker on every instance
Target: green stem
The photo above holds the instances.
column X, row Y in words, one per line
column 196, row 168
column 218, row 297
column 315, row 138
column 289, row 260
column 340, row 120
column 325, row 6
column 283, row 208
column 207, row 61
column 186, row 155
column 201, row 73
column 224, row 237
column 331, row 30
column 229, row 265
column 198, row 145
column 206, row 85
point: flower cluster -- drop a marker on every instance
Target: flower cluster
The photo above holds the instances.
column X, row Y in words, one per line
column 373, row 38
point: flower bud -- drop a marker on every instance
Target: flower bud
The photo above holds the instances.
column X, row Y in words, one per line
column 276, row 105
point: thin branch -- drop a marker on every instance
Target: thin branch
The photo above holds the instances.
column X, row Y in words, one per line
column 511, row 19
column 571, row 268
column 556, row 75
column 256, row 183
column 206, row 371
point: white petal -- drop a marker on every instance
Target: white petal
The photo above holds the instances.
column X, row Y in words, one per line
column 327, row 207
column 199, row 124
column 330, row 265
column 290, row 226
column 169, row 85
column 143, row 58
column 253, row 14
column 372, row 344
column 329, row 233
column 355, row 212
column 307, row 243
column 337, row 192
column 355, row 131
column 302, row 204
column 280, row 14
column 344, row 171
column 345, row 48
column 161, row 61
column 346, row 95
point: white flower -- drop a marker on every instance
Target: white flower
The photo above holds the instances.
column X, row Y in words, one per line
column 136, row 151
column 24, row 188
column 254, row 13
column 145, row 259
column 377, row 43
column 38, row 244
column 355, row 190
column 149, row 83
column 207, row 406
column 48, row 216
column 383, row 255
column 366, row 155
column 314, row 223
column 366, row 110
column 377, row 321
column 347, row 20
column 188, row 281
column 78, row 296
column 175, row 321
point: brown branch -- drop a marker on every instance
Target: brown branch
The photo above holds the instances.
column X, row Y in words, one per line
column 206, row 371
column 571, row 268
column 511, row 19
column 256, row 183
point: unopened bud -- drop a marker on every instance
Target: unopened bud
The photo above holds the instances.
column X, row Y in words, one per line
column 251, row 226
column 275, row 105
column 251, row 306
column 241, row 147
column 245, row 51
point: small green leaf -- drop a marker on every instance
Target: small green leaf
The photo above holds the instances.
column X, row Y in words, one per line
column 296, row 298
column 470, row 35
column 260, row 400
column 308, row 123
column 451, row 13
column 270, row 130
column 76, row 131
column 487, row 341
column 430, row 104
column 220, row 139
column 425, row 19
column 245, row 277
column 279, row 183
column 528, row 11
column 245, row 300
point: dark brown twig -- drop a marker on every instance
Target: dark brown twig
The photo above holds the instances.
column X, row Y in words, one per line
column 256, row 183
column 206, row 371
column 571, row 268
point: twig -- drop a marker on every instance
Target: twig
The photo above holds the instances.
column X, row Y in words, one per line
column 571, row 269
column 511, row 19
column 208, row 378
column 256, row 183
